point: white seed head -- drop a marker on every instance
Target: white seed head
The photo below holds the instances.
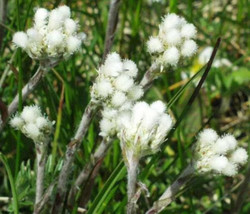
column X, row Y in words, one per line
column 208, row 136
column 173, row 37
column 70, row 26
column 239, row 156
column 41, row 122
column 171, row 56
column 34, row 35
column 135, row 92
column 189, row 48
column 30, row 113
column 154, row 45
column 188, row 31
column 32, row 130
column 16, row 122
column 73, row 44
column 107, row 127
column 218, row 163
column 20, row 39
column 230, row 169
column 158, row 106
column 171, row 21
column 118, row 99
column 130, row 68
column 55, row 38
column 104, row 88
column 231, row 141
column 123, row 83
column 56, row 20
column 40, row 17
column 65, row 11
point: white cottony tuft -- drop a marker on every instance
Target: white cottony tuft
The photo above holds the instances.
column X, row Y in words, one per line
column 143, row 130
column 171, row 56
column 33, row 124
column 218, row 163
column 208, row 136
column 173, row 43
column 173, row 37
column 53, row 36
column 188, row 31
column 189, row 48
column 73, row 44
column 154, row 45
column 130, row 68
column 239, row 156
column 124, row 83
column 104, row 88
column 55, row 39
column 158, row 106
column 118, row 99
column 218, row 154
column 20, row 39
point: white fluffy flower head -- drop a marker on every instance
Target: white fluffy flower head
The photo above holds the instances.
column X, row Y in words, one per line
column 174, row 41
column 220, row 155
column 115, row 84
column 143, row 129
column 53, row 36
column 32, row 123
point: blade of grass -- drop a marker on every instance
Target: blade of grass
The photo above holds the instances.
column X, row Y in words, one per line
column 12, row 183
column 119, row 172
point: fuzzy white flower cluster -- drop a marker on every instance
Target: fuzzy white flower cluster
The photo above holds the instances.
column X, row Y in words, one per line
column 53, row 36
column 32, row 123
column 115, row 89
column 218, row 154
column 174, row 41
column 115, row 84
column 143, row 129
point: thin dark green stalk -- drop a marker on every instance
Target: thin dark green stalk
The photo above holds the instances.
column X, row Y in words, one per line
column 12, row 183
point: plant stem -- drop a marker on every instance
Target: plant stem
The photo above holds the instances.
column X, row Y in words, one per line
column 169, row 195
column 112, row 23
column 69, row 156
column 41, row 155
column 149, row 76
column 132, row 170
column 92, row 166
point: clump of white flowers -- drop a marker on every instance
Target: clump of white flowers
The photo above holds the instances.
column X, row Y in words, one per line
column 115, row 85
column 115, row 90
column 218, row 154
column 143, row 129
column 174, row 41
column 53, row 36
column 32, row 123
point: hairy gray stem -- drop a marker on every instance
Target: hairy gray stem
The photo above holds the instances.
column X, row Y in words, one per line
column 69, row 156
column 26, row 91
column 41, row 155
column 45, row 199
column 149, row 76
column 169, row 195
column 99, row 154
column 132, row 170
column 112, row 23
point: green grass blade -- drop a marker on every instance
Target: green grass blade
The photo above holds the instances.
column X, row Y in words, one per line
column 117, row 174
column 12, row 183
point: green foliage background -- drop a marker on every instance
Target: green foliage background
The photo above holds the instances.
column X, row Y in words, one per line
column 222, row 104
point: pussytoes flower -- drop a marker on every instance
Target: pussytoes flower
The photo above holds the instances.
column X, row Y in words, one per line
column 174, row 41
column 221, row 155
column 53, row 36
column 33, row 124
column 143, row 129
